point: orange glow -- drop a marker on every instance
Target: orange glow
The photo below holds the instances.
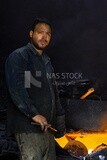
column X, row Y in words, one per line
column 90, row 140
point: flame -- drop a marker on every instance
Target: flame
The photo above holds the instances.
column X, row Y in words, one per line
column 90, row 151
column 90, row 140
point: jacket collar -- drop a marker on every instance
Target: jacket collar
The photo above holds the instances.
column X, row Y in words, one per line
column 29, row 45
column 45, row 57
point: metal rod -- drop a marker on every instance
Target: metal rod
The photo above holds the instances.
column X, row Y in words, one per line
column 53, row 129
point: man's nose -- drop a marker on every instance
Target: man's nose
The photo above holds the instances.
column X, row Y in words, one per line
column 45, row 35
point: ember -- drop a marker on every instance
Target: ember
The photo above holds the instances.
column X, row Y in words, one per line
column 83, row 143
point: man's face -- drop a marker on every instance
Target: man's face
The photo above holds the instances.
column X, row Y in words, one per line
column 41, row 36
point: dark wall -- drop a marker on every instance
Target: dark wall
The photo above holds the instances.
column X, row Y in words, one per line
column 79, row 40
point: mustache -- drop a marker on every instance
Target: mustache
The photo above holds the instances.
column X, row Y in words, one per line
column 44, row 40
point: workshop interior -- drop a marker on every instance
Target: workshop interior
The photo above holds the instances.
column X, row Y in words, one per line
column 78, row 54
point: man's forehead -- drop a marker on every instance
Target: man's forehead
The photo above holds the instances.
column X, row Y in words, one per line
column 42, row 25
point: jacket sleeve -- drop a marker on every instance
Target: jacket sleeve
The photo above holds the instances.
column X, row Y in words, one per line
column 15, row 68
column 60, row 115
column 59, row 109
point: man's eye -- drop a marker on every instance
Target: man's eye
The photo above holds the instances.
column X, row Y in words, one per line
column 40, row 32
column 49, row 34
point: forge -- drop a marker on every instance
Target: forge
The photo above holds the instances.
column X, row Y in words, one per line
column 83, row 143
column 86, row 136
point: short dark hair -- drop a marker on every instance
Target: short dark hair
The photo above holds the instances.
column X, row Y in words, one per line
column 40, row 20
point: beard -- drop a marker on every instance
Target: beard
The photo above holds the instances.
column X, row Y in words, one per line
column 37, row 46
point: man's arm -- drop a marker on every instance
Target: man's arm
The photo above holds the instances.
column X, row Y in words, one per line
column 60, row 115
column 15, row 68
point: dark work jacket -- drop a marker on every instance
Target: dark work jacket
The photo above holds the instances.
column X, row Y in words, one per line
column 32, row 90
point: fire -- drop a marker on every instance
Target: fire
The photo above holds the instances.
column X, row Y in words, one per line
column 90, row 139
column 90, row 151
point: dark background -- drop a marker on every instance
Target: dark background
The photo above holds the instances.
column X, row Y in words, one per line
column 79, row 40
column 78, row 46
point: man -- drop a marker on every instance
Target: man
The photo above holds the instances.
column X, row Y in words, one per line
column 35, row 104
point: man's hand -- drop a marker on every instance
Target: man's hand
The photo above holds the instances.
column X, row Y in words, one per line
column 60, row 126
column 42, row 121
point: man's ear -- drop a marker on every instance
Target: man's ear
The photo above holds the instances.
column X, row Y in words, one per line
column 31, row 34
